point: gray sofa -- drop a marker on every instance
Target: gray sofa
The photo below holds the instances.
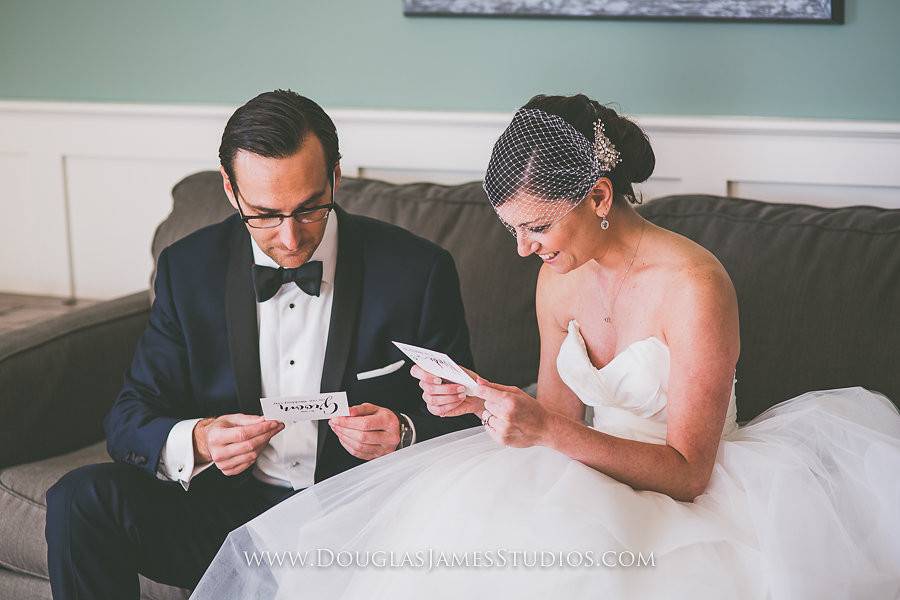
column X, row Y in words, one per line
column 819, row 293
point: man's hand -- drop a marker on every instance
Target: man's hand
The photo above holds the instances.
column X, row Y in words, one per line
column 369, row 432
column 233, row 441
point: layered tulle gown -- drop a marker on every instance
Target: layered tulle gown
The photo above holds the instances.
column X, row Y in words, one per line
column 804, row 502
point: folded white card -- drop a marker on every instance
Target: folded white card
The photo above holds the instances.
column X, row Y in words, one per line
column 294, row 409
column 438, row 363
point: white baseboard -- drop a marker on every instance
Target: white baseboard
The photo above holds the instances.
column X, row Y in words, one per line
column 84, row 185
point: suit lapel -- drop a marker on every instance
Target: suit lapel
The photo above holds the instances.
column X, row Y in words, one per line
column 241, row 320
column 344, row 312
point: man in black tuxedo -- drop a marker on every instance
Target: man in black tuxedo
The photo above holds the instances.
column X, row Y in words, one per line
column 289, row 296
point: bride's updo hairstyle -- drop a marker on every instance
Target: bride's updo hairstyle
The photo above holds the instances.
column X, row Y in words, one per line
column 579, row 111
column 556, row 149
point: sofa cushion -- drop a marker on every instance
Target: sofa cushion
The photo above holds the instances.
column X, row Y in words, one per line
column 818, row 292
column 18, row 586
column 198, row 200
column 497, row 285
column 23, row 549
column 60, row 376
column 24, row 509
column 23, row 587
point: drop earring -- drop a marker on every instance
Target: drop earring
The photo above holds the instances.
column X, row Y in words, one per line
column 604, row 224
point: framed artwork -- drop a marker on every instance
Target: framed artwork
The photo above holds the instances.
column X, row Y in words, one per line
column 784, row 11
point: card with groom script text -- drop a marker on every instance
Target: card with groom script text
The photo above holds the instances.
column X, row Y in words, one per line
column 314, row 407
column 438, row 363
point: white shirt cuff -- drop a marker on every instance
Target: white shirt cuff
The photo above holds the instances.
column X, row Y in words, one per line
column 176, row 461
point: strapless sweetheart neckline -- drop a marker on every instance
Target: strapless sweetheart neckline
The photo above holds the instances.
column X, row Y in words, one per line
column 619, row 354
column 629, row 394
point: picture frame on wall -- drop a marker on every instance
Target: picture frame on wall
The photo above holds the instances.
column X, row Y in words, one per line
column 777, row 11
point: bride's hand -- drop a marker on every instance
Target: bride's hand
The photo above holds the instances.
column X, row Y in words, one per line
column 446, row 399
column 513, row 417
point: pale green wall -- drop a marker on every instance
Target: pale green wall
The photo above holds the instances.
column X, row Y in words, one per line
column 365, row 53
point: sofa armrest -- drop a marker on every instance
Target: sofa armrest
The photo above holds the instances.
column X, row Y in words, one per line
column 59, row 377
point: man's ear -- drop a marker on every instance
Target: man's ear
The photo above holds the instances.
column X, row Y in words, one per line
column 337, row 178
column 601, row 197
column 226, row 184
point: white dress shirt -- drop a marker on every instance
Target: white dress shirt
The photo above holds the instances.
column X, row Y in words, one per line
column 293, row 334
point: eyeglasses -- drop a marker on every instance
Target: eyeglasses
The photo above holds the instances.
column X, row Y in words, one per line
column 304, row 216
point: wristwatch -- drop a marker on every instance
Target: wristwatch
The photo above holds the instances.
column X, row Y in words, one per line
column 406, row 430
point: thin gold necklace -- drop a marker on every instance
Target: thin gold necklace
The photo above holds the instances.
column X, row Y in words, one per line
column 612, row 306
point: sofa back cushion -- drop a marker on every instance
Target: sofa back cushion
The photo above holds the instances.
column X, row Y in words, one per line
column 818, row 292
column 198, row 200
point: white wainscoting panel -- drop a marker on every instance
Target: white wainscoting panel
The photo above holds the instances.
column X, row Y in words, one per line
column 34, row 254
column 442, row 176
column 817, row 194
column 656, row 187
column 85, row 185
column 110, row 257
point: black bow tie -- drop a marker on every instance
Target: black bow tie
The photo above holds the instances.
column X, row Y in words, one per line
column 267, row 281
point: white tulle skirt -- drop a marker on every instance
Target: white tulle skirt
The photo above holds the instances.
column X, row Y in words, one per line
column 804, row 502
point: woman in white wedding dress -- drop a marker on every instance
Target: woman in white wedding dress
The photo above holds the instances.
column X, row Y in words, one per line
column 662, row 495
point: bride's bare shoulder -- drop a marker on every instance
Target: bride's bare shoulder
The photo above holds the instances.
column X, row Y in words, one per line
column 550, row 296
column 679, row 256
column 693, row 279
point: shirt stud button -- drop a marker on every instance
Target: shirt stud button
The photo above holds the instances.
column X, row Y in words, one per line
column 292, row 306
column 292, row 362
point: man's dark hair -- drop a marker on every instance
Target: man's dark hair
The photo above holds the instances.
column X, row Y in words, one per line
column 274, row 125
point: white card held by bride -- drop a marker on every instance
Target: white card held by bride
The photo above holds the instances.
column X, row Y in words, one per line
column 440, row 365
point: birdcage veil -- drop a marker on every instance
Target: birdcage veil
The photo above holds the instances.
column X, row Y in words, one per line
column 547, row 165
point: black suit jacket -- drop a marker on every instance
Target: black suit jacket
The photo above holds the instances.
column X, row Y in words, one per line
column 199, row 355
